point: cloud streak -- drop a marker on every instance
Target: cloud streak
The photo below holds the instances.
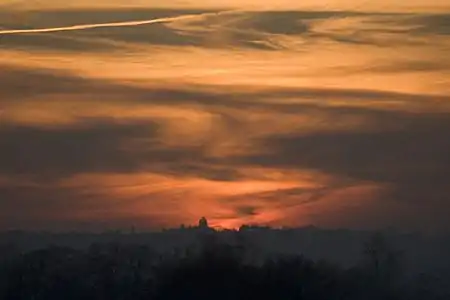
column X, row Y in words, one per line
column 102, row 25
column 275, row 117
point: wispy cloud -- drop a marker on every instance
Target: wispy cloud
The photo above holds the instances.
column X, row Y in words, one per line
column 99, row 25
column 157, row 116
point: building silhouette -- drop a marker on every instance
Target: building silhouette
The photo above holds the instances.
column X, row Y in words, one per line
column 203, row 223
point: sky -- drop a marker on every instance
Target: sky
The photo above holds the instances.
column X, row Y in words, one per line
column 129, row 113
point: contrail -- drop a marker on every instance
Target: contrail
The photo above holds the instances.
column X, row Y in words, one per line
column 102, row 25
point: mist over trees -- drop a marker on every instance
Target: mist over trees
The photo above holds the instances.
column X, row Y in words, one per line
column 202, row 263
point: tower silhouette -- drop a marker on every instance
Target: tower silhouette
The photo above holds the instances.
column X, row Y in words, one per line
column 203, row 223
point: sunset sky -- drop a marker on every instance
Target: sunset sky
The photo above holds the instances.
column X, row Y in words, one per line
column 334, row 113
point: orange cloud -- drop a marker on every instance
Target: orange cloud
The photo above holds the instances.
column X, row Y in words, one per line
column 266, row 117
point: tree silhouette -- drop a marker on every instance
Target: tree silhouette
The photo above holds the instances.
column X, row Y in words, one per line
column 215, row 270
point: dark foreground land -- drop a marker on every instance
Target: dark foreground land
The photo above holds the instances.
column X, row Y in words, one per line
column 211, row 269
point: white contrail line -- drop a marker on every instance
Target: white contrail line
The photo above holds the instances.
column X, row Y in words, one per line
column 102, row 25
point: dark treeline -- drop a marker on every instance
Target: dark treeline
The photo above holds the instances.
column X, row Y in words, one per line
column 213, row 270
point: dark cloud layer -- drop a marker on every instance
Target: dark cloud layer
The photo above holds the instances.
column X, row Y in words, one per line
column 407, row 152
column 434, row 24
column 401, row 137
column 20, row 83
column 96, row 147
column 412, row 153
column 398, row 142
column 243, row 29
column 100, row 146
column 412, row 161
column 62, row 209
